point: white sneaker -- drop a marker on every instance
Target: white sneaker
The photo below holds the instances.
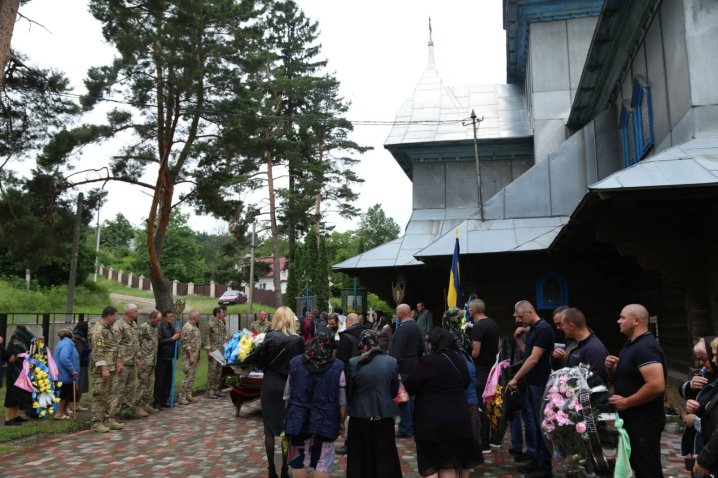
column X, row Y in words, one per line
column 83, row 409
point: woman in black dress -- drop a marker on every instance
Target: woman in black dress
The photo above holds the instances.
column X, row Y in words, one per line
column 445, row 441
column 281, row 344
column 15, row 397
column 83, row 350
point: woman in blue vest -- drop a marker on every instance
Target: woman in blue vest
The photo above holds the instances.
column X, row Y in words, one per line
column 316, row 407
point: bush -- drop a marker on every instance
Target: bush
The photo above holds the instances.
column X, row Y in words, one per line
column 94, row 288
column 14, row 298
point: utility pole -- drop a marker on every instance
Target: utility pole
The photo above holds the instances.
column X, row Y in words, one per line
column 100, row 195
column 250, row 292
column 73, row 260
column 474, row 123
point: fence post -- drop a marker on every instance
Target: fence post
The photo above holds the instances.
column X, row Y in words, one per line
column 174, row 287
column 190, row 288
column 46, row 327
column 142, row 283
column 211, row 288
column 82, row 318
column 109, row 276
column 3, row 326
column 129, row 280
column 119, row 277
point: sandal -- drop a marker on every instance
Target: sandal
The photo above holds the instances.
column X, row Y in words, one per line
column 64, row 417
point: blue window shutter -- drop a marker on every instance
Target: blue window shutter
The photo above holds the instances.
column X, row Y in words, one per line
column 643, row 121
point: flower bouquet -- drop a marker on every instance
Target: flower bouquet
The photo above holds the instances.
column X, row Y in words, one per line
column 241, row 351
column 580, row 424
column 496, row 395
column 39, row 377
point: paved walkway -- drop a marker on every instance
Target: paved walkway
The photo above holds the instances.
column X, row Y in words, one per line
column 205, row 440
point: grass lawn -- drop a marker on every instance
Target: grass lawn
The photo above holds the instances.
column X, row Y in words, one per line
column 57, row 427
column 202, row 304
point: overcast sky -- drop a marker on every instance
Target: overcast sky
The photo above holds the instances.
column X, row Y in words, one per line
column 378, row 50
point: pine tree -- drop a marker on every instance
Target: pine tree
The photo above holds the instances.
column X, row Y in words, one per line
column 293, row 278
column 321, row 277
column 309, row 260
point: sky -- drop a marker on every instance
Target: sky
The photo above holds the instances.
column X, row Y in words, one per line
column 377, row 48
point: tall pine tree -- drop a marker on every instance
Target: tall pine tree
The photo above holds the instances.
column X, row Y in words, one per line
column 321, row 276
column 294, row 286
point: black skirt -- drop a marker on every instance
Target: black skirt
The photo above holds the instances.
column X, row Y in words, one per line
column 371, row 449
column 272, row 400
column 448, row 455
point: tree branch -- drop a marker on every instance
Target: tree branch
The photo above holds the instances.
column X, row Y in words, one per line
column 33, row 21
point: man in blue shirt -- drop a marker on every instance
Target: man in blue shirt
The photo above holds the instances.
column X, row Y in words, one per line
column 589, row 350
column 536, row 369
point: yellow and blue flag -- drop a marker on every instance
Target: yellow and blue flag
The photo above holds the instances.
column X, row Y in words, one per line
column 454, row 280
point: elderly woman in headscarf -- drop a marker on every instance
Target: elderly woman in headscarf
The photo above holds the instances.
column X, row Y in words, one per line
column 372, row 384
column 316, row 406
column 68, row 366
column 16, row 397
column 83, row 350
column 452, row 322
column 698, row 391
column 445, row 441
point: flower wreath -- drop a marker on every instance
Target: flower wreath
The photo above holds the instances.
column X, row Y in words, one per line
column 39, row 377
column 580, row 424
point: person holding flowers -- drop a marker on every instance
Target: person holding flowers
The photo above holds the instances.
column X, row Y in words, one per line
column 68, row 366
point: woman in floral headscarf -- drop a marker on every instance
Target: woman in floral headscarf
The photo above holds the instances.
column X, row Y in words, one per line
column 453, row 319
column 316, row 407
column 372, row 384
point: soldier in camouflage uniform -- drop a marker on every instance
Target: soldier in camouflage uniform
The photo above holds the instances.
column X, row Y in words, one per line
column 147, row 338
column 262, row 325
column 126, row 332
column 104, row 365
column 215, row 336
column 191, row 342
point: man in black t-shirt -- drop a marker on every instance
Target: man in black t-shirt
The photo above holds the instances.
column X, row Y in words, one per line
column 639, row 374
column 485, row 337
column 536, row 370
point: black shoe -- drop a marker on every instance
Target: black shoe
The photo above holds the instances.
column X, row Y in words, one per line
column 19, row 419
column 528, row 467
column 342, row 450
column 523, row 458
column 402, row 435
column 166, row 405
column 272, row 472
column 213, row 397
column 12, row 423
column 540, row 474
column 157, row 406
column 285, row 471
column 515, row 452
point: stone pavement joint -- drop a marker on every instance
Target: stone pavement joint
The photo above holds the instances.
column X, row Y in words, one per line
column 213, row 444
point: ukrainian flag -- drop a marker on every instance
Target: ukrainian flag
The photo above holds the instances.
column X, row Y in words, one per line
column 454, row 279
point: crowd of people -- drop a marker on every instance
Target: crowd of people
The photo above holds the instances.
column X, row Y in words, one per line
column 331, row 375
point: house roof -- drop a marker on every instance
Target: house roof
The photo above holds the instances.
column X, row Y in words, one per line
column 270, row 260
column 693, row 163
column 502, row 106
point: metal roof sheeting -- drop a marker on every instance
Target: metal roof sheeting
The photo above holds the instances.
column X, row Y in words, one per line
column 693, row 163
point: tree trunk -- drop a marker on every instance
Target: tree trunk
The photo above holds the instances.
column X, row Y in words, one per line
column 318, row 207
column 275, row 232
column 161, row 286
column 291, row 221
column 8, row 15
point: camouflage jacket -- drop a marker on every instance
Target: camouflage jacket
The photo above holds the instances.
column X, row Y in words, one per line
column 260, row 327
column 191, row 338
column 147, row 337
column 104, row 344
column 215, row 334
column 126, row 333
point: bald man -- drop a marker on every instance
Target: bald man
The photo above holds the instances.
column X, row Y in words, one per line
column 407, row 345
column 639, row 374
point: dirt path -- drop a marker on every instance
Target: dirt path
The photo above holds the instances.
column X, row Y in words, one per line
column 144, row 305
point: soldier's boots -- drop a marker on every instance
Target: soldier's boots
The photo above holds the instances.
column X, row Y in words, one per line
column 141, row 412
column 100, row 428
column 130, row 416
column 149, row 409
column 112, row 424
column 183, row 402
column 192, row 399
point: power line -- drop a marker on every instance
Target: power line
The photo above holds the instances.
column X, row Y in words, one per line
column 247, row 116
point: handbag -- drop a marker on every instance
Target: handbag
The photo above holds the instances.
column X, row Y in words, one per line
column 402, row 396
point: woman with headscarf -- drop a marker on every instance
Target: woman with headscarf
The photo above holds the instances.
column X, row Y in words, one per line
column 372, row 384
column 316, row 406
column 83, row 350
column 445, row 441
column 384, row 332
column 698, row 391
column 16, row 397
column 464, row 346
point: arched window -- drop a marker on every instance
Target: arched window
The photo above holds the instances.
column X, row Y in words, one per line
column 551, row 291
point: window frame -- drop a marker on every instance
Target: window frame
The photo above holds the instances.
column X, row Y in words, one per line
column 626, row 112
column 551, row 274
column 641, row 90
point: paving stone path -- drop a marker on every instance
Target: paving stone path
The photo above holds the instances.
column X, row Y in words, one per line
column 206, row 440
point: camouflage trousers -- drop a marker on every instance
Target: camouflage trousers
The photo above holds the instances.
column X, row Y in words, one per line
column 103, row 393
column 214, row 372
column 190, row 372
column 125, row 396
column 145, row 380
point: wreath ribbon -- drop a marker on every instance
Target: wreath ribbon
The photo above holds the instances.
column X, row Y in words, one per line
column 592, row 429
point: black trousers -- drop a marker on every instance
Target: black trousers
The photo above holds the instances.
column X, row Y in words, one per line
column 645, row 435
column 163, row 380
column 480, row 386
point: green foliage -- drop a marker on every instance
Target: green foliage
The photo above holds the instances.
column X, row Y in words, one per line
column 375, row 303
column 14, row 297
column 293, row 281
column 310, row 255
column 117, row 233
column 321, row 277
column 376, row 228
